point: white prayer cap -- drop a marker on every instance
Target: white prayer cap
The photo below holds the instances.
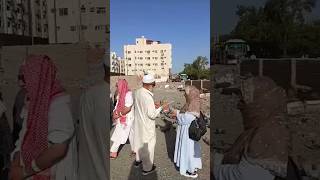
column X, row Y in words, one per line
column 148, row 79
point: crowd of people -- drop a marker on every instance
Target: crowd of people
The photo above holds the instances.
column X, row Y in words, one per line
column 48, row 142
column 134, row 118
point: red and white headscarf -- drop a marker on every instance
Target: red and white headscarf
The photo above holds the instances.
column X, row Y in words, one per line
column 40, row 75
column 122, row 91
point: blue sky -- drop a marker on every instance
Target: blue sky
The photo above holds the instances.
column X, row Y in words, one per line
column 183, row 23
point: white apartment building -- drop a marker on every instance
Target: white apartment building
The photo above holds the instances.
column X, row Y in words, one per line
column 117, row 65
column 72, row 21
column 148, row 56
column 24, row 17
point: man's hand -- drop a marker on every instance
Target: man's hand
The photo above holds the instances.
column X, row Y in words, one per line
column 16, row 173
column 173, row 114
column 165, row 107
column 115, row 116
column 157, row 104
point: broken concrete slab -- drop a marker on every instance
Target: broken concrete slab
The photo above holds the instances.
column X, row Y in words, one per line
column 295, row 108
column 312, row 106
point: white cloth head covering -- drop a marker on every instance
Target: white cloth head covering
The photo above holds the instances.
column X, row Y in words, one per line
column 148, row 79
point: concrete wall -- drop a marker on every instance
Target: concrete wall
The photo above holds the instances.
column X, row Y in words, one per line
column 199, row 84
column 133, row 81
column 76, row 69
column 75, row 18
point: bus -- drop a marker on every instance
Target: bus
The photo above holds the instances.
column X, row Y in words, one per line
column 230, row 51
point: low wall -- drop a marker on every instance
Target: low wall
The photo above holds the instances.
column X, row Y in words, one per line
column 134, row 82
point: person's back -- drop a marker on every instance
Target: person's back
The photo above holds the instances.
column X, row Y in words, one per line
column 146, row 125
column 93, row 133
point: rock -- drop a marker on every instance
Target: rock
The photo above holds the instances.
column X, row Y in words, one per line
column 295, row 108
column 312, row 106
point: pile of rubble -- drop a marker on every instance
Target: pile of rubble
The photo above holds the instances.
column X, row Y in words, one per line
column 305, row 133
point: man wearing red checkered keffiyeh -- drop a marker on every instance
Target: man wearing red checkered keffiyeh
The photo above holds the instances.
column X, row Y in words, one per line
column 35, row 156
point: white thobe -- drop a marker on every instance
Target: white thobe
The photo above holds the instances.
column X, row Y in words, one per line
column 93, row 131
column 60, row 129
column 145, row 114
column 122, row 132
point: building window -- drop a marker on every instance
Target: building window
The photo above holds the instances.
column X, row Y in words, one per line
column 129, row 65
column 83, row 9
column 63, row 11
column 148, row 52
column 92, row 9
column 58, row 28
column 129, row 58
column 84, row 27
column 39, row 28
column 101, row 27
column 72, row 28
column 107, row 30
column 129, row 52
column 101, row 10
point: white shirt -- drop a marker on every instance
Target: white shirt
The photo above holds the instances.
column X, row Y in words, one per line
column 60, row 129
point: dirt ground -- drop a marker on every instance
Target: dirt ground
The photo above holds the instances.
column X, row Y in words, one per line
column 227, row 126
column 122, row 168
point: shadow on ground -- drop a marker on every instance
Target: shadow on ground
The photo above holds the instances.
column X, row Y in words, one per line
column 136, row 172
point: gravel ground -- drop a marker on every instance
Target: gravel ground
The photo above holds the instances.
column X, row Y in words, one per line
column 226, row 116
column 122, row 168
column 227, row 126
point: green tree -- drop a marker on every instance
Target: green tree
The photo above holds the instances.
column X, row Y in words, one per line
column 198, row 69
column 277, row 23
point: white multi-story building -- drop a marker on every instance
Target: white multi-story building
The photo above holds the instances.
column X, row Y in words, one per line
column 72, row 21
column 148, row 56
column 117, row 65
column 24, row 17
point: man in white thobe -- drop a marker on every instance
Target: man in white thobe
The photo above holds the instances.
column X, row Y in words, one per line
column 94, row 130
column 145, row 114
